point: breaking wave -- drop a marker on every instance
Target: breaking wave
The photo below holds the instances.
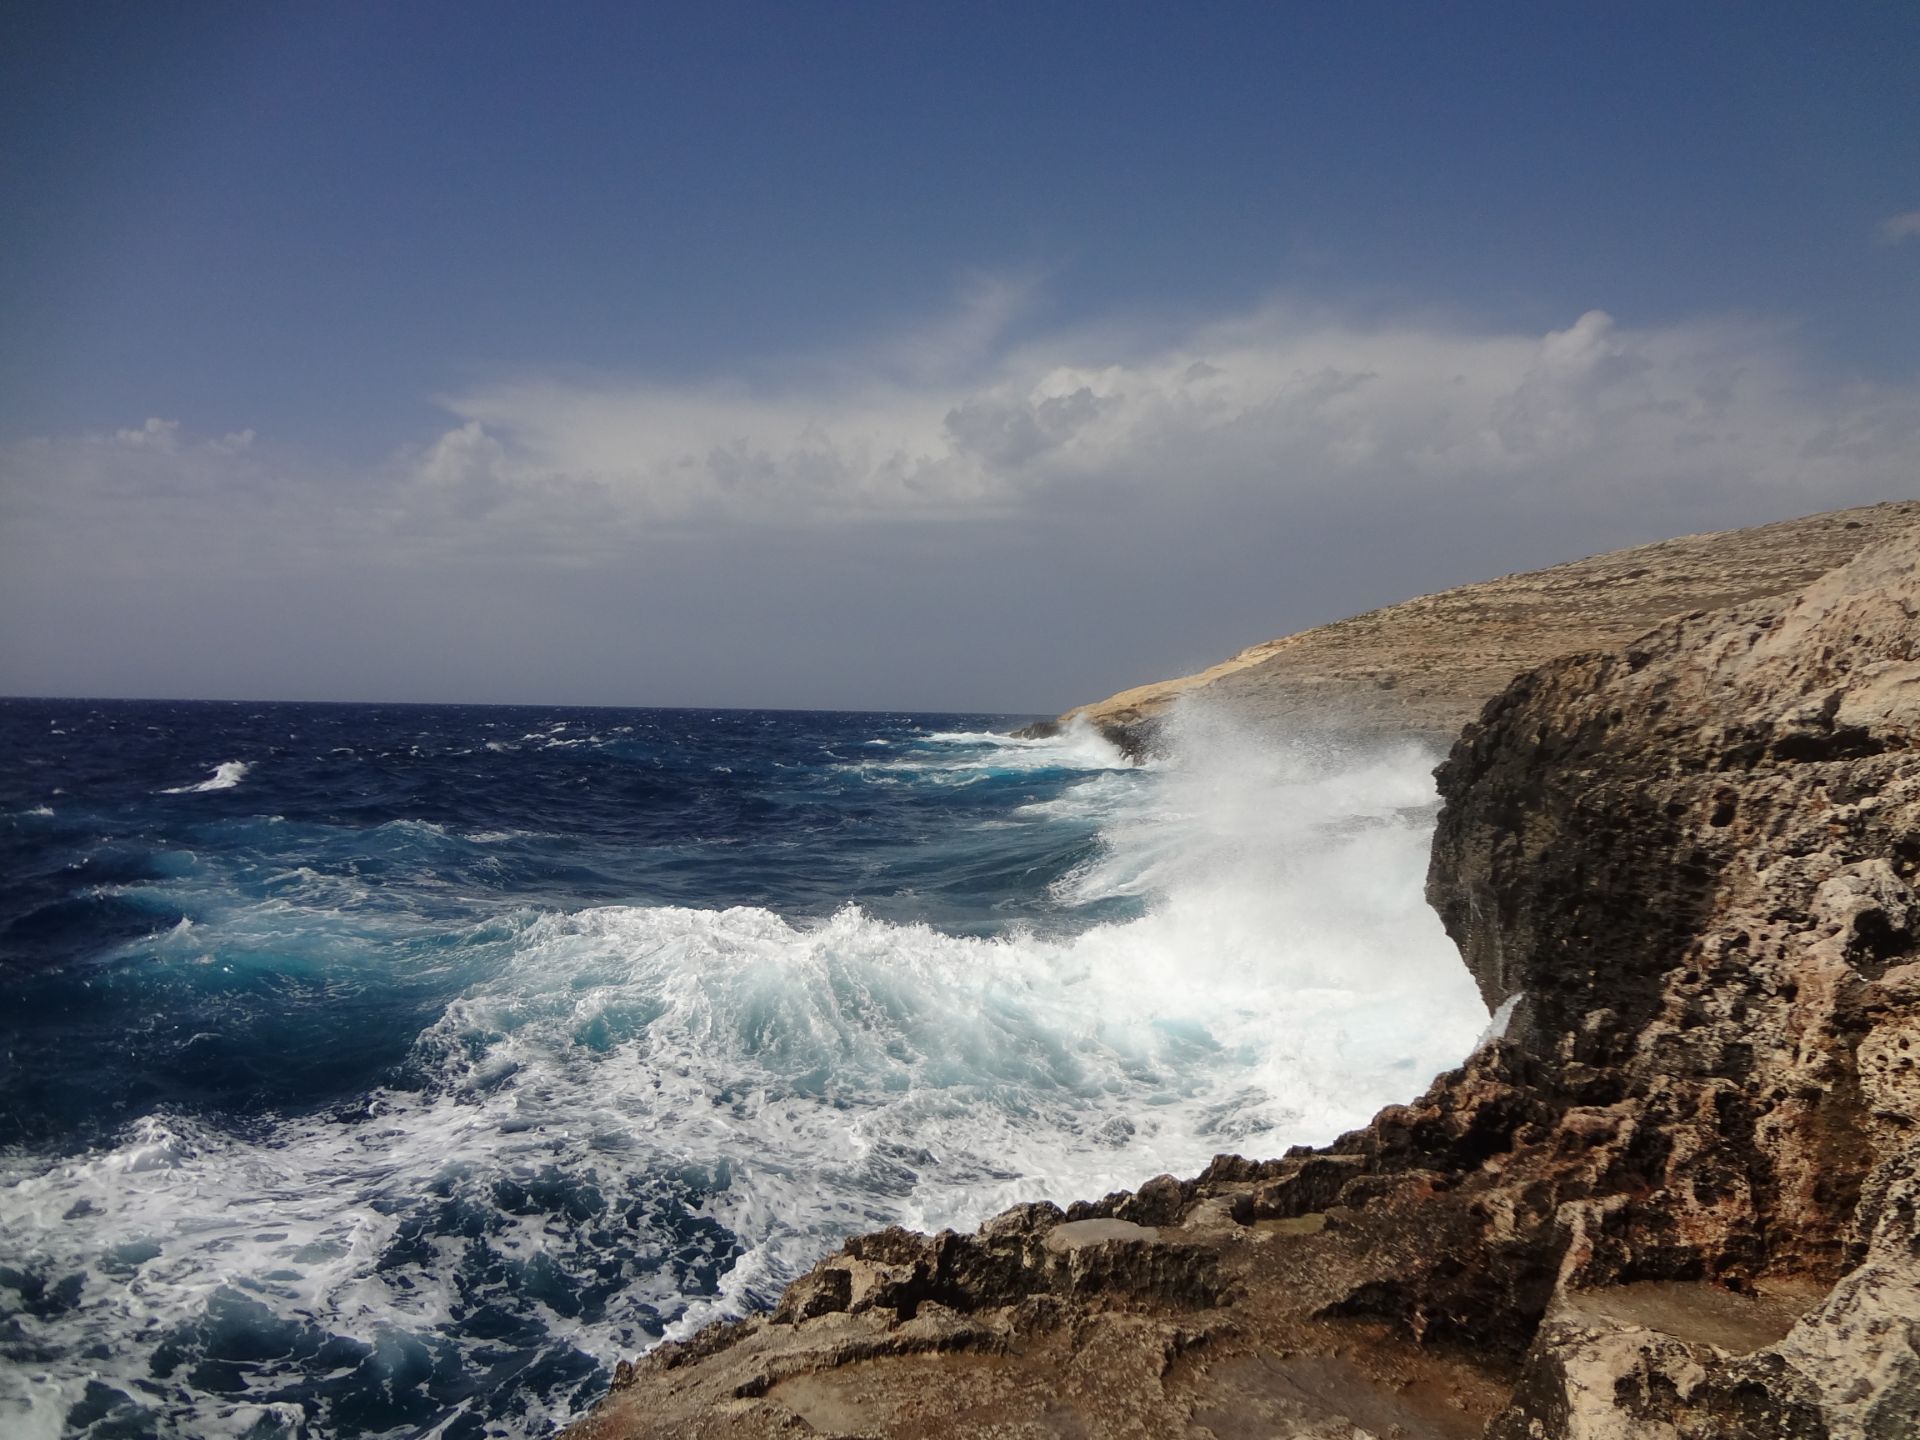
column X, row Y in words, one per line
column 626, row 1120
column 226, row 775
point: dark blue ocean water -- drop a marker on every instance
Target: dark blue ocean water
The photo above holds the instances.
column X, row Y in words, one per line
column 393, row 1070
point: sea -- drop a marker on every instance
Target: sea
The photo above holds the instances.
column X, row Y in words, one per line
column 396, row 1070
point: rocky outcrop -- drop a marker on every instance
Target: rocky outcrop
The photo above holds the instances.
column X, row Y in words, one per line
column 1677, row 1195
column 1426, row 666
column 1694, row 863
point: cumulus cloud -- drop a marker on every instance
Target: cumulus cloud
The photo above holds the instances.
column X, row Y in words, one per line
column 468, row 469
column 1280, row 405
column 1280, row 401
column 1898, row 228
column 1189, row 491
column 156, row 434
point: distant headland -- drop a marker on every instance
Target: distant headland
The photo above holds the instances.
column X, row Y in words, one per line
column 1425, row 666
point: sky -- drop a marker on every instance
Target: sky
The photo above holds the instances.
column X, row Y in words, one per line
column 978, row 357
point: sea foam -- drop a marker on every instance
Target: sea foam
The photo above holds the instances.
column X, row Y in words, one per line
column 226, row 775
column 636, row 1119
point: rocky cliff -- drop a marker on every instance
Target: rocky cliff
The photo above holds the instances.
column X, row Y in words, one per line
column 1676, row 1195
column 1426, row 666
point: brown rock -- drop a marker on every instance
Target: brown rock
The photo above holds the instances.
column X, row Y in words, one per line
column 1426, row 666
column 1679, row 1196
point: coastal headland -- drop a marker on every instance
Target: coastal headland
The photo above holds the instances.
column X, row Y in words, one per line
column 1676, row 1190
column 1425, row 666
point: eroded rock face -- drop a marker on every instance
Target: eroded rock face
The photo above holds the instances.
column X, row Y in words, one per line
column 1677, row 1197
column 1694, row 863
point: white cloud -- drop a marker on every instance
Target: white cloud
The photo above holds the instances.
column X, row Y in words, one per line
column 1281, row 400
column 1897, row 228
column 1274, row 411
column 156, row 434
column 987, row 307
column 969, row 514
column 467, row 469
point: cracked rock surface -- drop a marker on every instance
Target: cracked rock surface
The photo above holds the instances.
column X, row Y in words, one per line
column 1678, row 1196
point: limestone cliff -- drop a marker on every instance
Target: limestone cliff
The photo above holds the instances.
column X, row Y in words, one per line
column 1677, row 1196
column 1427, row 665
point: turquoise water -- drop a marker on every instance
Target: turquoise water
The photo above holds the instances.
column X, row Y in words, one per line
column 395, row 1070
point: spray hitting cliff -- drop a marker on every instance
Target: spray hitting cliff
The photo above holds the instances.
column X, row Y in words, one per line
column 1674, row 1193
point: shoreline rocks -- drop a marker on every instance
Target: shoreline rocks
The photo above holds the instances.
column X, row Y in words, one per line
column 1676, row 1195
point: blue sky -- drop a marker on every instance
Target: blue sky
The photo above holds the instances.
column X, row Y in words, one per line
column 987, row 356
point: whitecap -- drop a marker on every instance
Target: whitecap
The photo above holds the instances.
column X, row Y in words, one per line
column 1282, row 980
column 226, row 775
column 967, row 757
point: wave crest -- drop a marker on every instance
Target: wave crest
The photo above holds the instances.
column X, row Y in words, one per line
column 226, row 775
column 633, row 1119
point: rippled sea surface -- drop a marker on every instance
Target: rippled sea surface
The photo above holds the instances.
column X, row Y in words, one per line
column 394, row 1070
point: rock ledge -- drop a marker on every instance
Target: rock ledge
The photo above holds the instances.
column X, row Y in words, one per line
column 1678, row 1196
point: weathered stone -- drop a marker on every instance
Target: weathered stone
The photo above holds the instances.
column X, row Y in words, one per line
column 1446, row 654
column 1158, row 1202
column 1076, row 1234
column 1678, row 1196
